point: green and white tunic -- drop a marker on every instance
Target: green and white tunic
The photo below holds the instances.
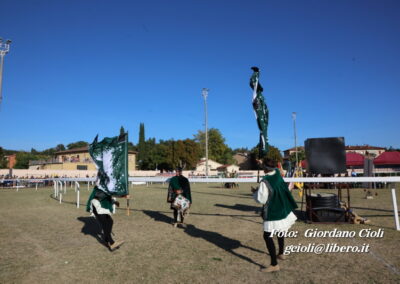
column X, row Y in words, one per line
column 278, row 202
column 180, row 183
column 101, row 201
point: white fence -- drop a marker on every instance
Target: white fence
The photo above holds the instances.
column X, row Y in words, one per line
column 60, row 185
column 393, row 179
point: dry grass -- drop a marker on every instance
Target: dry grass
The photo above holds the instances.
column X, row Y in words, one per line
column 43, row 241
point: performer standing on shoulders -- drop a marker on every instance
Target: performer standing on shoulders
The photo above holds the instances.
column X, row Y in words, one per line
column 179, row 187
column 278, row 204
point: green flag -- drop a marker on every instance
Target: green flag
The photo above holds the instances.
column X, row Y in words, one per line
column 260, row 109
column 111, row 158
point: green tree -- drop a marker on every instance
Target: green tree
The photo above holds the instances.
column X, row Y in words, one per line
column 163, row 155
column 168, row 154
column 300, row 154
column 131, row 147
column 9, row 152
column 217, row 149
column 187, row 153
column 3, row 161
column 241, row 150
column 78, row 144
column 59, row 147
column 273, row 153
column 51, row 151
column 147, row 161
column 48, row 152
column 142, row 155
column 23, row 159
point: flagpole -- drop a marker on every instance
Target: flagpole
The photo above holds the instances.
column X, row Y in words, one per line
column 126, row 162
column 295, row 140
column 205, row 94
column 4, row 49
column 127, row 174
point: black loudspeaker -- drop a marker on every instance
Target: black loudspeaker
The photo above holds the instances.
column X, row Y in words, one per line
column 326, row 155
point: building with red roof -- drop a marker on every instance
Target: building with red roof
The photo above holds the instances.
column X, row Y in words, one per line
column 354, row 159
column 388, row 158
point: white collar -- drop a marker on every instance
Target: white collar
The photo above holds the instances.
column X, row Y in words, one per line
column 271, row 173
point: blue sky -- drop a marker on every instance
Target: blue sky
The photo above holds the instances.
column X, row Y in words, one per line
column 81, row 68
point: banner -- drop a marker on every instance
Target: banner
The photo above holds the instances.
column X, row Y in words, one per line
column 260, row 109
column 111, row 158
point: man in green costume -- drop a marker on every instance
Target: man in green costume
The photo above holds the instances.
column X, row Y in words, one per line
column 178, row 185
column 111, row 159
column 278, row 205
column 101, row 205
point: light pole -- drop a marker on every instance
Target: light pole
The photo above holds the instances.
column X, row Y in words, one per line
column 4, row 48
column 205, row 94
column 295, row 139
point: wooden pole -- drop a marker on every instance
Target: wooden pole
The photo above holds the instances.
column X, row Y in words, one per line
column 127, row 205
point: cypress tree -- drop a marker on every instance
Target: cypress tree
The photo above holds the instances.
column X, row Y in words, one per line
column 141, row 147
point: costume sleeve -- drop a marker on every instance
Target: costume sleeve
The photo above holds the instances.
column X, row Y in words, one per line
column 261, row 195
column 99, row 208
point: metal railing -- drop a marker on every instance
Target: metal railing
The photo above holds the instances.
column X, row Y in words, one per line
column 43, row 162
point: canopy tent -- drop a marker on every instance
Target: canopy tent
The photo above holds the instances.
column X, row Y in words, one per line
column 354, row 159
column 388, row 158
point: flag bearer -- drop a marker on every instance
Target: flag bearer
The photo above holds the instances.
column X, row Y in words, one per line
column 277, row 211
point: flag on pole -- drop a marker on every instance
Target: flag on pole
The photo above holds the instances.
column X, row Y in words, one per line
column 299, row 173
column 111, row 158
column 260, row 109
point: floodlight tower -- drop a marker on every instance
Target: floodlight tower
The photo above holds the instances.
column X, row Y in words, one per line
column 295, row 139
column 4, row 48
column 205, row 94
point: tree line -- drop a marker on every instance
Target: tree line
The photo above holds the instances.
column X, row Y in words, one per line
column 23, row 157
column 168, row 154
column 164, row 155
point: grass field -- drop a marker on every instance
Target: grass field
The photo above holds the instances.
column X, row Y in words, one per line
column 43, row 241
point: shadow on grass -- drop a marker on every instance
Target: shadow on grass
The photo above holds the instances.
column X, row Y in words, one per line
column 215, row 238
column 241, row 207
column 92, row 227
column 220, row 194
column 222, row 187
column 373, row 209
column 378, row 216
column 301, row 215
column 215, row 186
column 221, row 241
column 247, row 220
column 159, row 217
